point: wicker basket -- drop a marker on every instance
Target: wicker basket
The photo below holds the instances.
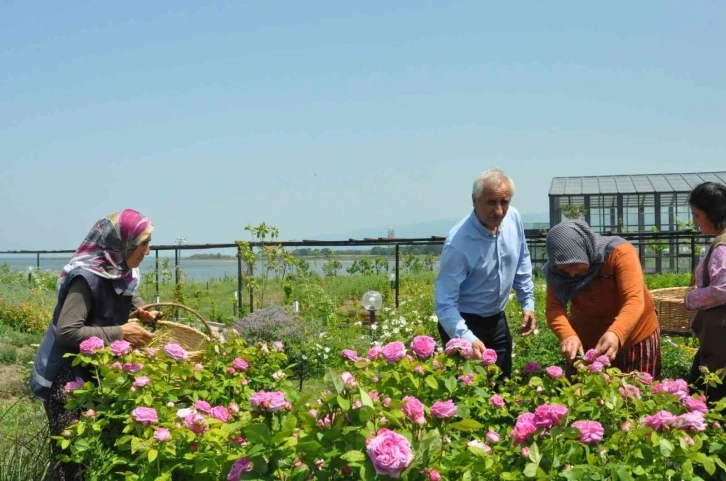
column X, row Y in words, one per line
column 192, row 340
column 672, row 313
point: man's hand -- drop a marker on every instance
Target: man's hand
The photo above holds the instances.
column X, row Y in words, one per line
column 478, row 348
column 570, row 347
column 609, row 344
column 148, row 316
column 528, row 323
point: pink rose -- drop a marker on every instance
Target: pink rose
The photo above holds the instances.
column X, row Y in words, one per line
column 554, row 372
column 443, row 409
column 221, row 413
column 419, row 370
column 176, row 352
column 465, row 379
column 141, row 381
column 433, row 475
column 91, row 345
column 375, row 352
column 203, row 406
column 695, row 404
column 489, row 357
column 268, row 401
column 279, row 347
column 196, row 423
column 414, row 410
column 629, row 392
column 525, row 452
column 497, row 401
column 119, row 348
column 660, row 420
column 591, row 432
column 151, row 352
column 133, row 368
column 625, row 427
column 678, row 388
column 319, row 464
column 145, row 415
column 198, row 366
column 73, row 385
column 394, row 351
column 117, row 365
column 348, row 379
column 693, row 421
column 459, row 346
column 390, row 453
column 230, row 371
column 493, row 437
column 162, row 434
column 596, row 367
column 591, row 356
column 234, row 408
column 532, row 367
column 423, row 346
column 350, row 355
column 523, row 428
column 242, row 465
column 240, row 364
column 549, row 415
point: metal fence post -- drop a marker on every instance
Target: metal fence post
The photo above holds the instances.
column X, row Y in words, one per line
column 239, row 281
column 37, row 260
column 397, row 273
column 156, row 268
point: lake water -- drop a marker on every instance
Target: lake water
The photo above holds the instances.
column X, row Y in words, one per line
column 198, row 270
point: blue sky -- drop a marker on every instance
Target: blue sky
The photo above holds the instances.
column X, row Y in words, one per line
column 324, row 117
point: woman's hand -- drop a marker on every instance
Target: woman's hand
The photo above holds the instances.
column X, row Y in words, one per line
column 148, row 316
column 609, row 344
column 135, row 334
column 570, row 347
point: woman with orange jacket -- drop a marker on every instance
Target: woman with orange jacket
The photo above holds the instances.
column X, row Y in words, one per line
column 611, row 309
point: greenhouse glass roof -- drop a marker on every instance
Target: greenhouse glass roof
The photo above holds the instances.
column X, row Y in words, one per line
column 632, row 184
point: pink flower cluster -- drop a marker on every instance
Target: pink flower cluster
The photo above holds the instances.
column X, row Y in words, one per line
column 350, row 355
column 91, row 345
column 459, row 346
column 240, row 365
column 591, row 432
column 241, row 466
column 545, row 416
column 423, row 346
column 597, row 363
column 269, row 401
column 678, row 388
column 663, row 420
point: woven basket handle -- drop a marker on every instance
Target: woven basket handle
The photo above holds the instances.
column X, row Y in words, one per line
column 178, row 306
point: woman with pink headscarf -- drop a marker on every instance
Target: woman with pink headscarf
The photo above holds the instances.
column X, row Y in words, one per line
column 97, row 290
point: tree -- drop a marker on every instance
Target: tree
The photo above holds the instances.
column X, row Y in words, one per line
column 572, row 211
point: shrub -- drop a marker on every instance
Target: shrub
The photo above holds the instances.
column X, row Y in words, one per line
column 8, row 355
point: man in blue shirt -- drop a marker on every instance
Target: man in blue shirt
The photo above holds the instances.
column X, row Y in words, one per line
column 484, row 256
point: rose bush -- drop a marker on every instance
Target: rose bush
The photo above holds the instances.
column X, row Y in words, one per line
column 400, row 411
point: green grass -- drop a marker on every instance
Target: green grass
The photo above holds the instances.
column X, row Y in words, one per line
column 8, row 355
column 24, row 443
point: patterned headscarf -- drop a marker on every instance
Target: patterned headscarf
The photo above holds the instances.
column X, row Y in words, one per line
column 572, row 242
column 108, row 245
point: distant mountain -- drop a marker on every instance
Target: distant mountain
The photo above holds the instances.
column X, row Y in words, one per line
column 420, row 229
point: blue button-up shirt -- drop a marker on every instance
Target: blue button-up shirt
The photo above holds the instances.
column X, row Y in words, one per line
column 479, row 269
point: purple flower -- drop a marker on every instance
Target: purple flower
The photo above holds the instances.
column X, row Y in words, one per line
column 489, row 357
column 196, row 423
column 497, row 401
column 91, row 345
column 176, row 352
column 350, row 355
column 279, row 347
column 493, row 437
column 73, row 385
column 268, row 401
column 348, row 379
column 133, row 368
column 459, row 346
column 523, row 428
column 375, row 352
column 203, row 406
column 240, row 364
column 162, row 434
column 390, row 453
column 554, row 372
column 145, row 415
column 532, row 367
column 414, row 410
column 596, row 367
column 629, row 392
column 660, row 420
column 443, row 409
column 141, row 381
column 465, row 379
column 696, row 404
column 549, row 415
column 591, row 432
column 221, row 413
column 423, row 346
column 678, row 388
column 119, row 348
column 693, row 421
column 394, row 351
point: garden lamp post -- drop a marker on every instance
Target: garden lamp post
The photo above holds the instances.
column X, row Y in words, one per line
column 371, row 302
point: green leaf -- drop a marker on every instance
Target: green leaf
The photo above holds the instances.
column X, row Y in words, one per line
column 153, row 453
column 534, row 454
column 65, row 443
column 431, row 382
column 624, row 474
column 666, row 448
column 343, row 403
column 365, row 398
column 353, row 456
column 257, row 433
column 335, row 378
column 309, row 447
column 450, row 384
column 530, row 470
column 466, row 425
